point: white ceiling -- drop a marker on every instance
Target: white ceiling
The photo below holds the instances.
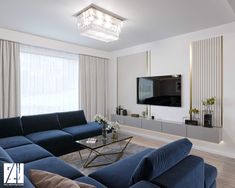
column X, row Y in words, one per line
column 147, row 20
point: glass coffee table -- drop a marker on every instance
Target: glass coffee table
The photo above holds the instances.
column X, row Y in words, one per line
column 111, row 150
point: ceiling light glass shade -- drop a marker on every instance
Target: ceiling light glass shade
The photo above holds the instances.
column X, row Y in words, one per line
column 98, row 25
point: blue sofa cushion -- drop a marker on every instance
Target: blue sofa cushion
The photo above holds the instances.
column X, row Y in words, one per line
column 187, row 173
column 90, row 181
column 4, row 157
column 10, row 127
column 73, row 118
column 38, row 123
column 144, row 184
column 14, row 141
column 119, row 173
column 27, row 153
column 84, row 131
column 210, row 175
column 53, row 165
column 53, row 140
column 160, row 160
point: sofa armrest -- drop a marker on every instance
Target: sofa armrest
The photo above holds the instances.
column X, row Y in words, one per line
column 144, row 184
column 187, row 173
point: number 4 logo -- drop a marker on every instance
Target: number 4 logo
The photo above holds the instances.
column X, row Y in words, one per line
column 13, row 174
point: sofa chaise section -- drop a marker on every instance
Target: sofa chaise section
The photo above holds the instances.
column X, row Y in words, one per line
column 53, row 165
column 210, row 176
column 58, row 166
column 44, row 130
column 75, row 123
column 183, row 174
column 169, row 166
column 27, row 153
column 119, row 172
column 5, row 158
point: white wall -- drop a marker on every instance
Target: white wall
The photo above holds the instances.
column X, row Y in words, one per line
column 129, row 68
column 34, row 40
column 171, row 56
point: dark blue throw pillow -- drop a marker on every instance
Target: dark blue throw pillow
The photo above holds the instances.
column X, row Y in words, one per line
column 10, row 127
column 160, row 160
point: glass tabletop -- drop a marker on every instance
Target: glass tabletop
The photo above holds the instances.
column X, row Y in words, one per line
column 101, row 141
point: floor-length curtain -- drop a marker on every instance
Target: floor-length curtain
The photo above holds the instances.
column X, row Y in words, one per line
column 9, row 79
column 93, row 85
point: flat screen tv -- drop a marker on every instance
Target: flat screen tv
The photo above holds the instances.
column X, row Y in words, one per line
column 159, row 90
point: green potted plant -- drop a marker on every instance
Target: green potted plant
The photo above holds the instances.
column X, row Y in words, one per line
column 193, row 120
column 208, row 103
column 194, row 113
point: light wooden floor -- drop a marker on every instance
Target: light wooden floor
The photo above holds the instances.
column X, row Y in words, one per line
column 224, row 165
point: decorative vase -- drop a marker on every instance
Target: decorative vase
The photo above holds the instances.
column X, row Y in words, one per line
column 114, row 134
column 208, row 118
column 104, row 132
column 195, row 117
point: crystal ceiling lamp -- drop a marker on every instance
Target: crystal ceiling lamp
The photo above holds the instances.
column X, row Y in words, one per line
column 100, row 24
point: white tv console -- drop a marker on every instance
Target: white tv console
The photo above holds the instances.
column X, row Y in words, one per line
column 176, row 128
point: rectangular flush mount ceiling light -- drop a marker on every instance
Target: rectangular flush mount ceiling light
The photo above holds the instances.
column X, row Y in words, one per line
column 100, row 24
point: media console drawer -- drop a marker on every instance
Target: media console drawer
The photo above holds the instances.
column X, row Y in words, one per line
column 204, row 133
column 153, row 125
column 132, row 121
column 119, row 119
column 174, row 128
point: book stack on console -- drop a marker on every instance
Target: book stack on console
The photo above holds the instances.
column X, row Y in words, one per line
column 91, row 140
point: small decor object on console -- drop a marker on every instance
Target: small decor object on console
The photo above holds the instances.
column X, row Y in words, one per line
column 91, row 140
column 208, row 112
column 124, row 112
column 143, row 114
column 193, row 112
column 119, row 110
column 135, row 115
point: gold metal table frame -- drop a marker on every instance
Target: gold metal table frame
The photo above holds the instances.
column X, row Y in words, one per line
column 96, row 150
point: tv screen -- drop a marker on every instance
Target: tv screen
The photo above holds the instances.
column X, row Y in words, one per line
column 159, row 90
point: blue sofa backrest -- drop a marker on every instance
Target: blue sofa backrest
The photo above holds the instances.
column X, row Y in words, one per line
column 38, row 123
column 73, row 118
column 160, row 160
column 10, row 127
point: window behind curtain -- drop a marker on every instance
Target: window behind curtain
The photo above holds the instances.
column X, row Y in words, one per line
column 49, row 81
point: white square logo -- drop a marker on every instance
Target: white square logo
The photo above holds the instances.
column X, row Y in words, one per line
column 13, row 174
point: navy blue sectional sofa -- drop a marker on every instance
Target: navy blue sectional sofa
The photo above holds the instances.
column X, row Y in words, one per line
column 37, row 140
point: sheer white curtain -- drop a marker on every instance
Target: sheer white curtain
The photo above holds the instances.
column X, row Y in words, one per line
column 9, row 79
column 93, row 85
column 49, row 81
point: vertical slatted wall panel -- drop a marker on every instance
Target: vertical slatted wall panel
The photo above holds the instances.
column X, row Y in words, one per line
column 207, row 67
